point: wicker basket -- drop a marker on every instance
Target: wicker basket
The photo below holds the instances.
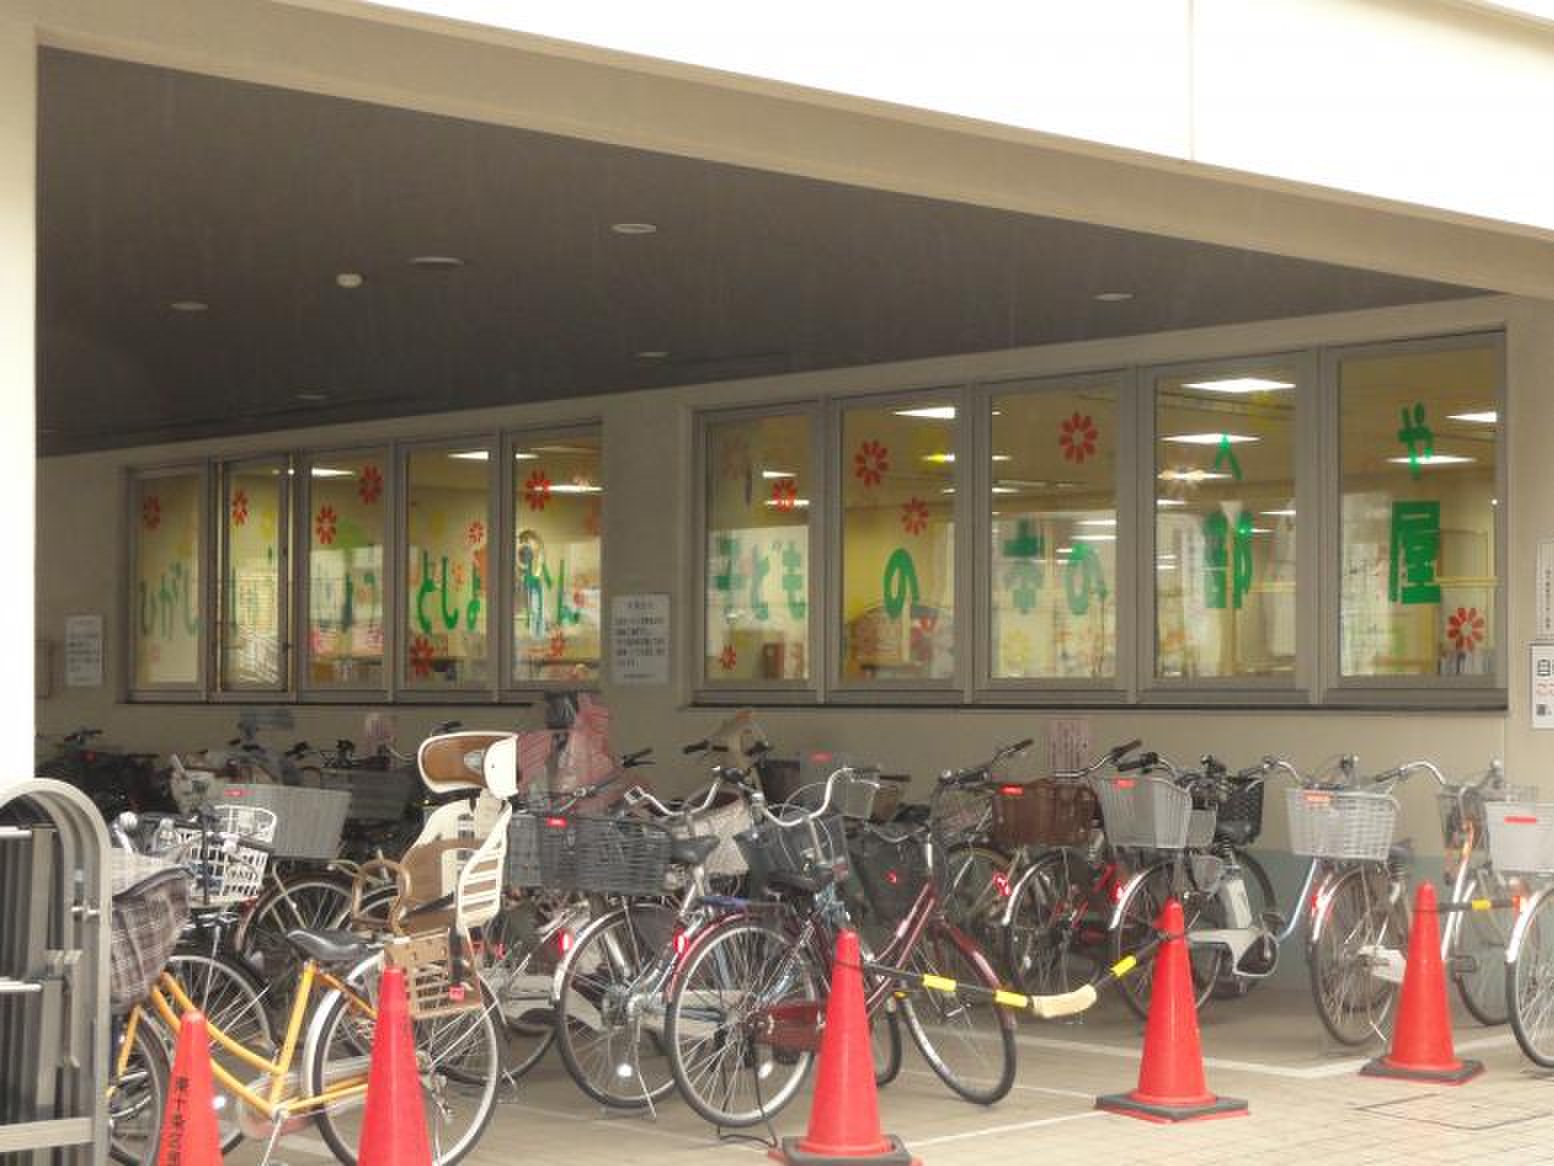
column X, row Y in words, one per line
column 1341, row 823
column 308, row 821
column 150, row 906
column 430, row 987
column 1045, row 812
column 1521, row 836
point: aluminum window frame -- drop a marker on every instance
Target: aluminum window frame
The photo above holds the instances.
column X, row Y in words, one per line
column 222, row 469
column 706, row 689
column 166, row 692
column 1439, row 692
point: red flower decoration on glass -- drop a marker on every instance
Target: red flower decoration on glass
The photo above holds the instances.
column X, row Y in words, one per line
column 458, row 574
column 371, row 485
column 151, row 512
column 785, row 493
column 239, row 508
column 870, row 463
column 324, row 524
column 727, row 658
column 476, row 534
column 1465, row 629
column 536, row 490
column 914, row 516
column 1078, row 436
column 557, row 647
column 421, row 655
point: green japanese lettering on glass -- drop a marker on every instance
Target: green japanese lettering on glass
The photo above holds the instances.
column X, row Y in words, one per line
column 1228, row 568
column 1416, row 545
column 1083, row 577
column 730, row 580
column 760, row 567
column 900, row 583
column 1226, row 455
column 1417, row 436
column 1024, row 575
column 792, row 560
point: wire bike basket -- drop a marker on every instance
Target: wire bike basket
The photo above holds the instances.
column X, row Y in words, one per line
column 814, row 851
column 226, row 870
column 1521, row 837
column 574, row 852
column 1341, row 823
column 1464, row 808
column 1151, row 813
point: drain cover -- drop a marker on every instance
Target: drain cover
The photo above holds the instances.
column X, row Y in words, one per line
column 1454, row 1111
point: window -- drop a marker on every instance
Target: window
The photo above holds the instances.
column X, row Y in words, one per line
column 1225, row 522
column 253, row 582
column 760, row 494
column 1418, row 436
column 1052, row 572
column 898, row 541
column 348, row 503
column 447, row 536
column 166, row 516
column 558, row 500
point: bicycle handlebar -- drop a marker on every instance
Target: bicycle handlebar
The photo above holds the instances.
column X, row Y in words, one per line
column 977, row 774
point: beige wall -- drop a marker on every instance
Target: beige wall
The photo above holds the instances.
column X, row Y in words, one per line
column 649, row 546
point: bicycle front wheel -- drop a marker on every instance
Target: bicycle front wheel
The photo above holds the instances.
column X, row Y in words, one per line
column 968, row 1043
column 744, row 1018
column 1478, row 950
column 137, row 1097
column 1530, row 985
column 1360, row 929
column 458, row 1060
column 309, row 902
column 1043, row 942
column 1138, row 913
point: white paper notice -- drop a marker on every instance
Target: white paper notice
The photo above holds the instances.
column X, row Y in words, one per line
column 1543, row 592
column 639, row 639
column 1542, row 692
column 83, row 651
column 1068, row 744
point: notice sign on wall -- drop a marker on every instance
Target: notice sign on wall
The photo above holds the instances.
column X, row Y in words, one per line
column 83, row 651
column 1543, row 592
column 1068, row 745
column 1542, row 686
column 639, row 639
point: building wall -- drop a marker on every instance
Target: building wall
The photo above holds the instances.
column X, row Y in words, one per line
column 649, row 547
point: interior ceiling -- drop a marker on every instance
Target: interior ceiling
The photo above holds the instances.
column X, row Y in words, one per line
column 159, row 186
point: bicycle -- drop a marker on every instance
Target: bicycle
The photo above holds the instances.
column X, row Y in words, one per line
column 1521, row 846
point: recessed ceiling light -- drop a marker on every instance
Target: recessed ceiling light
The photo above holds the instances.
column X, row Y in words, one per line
column 1239, row 385
column 1488, row 417
column 1432, row 459
column 1190, row 476
column 1210, row 438
column 1113, row 297
column 940, row 459
column 436, row 262
column 931, row 412
column 329, row 472
column 313, row 396
column 474, row 455
column 349, row 280
column 634, row 228
column 770, row 474
column 652, row 354
column 189, row 306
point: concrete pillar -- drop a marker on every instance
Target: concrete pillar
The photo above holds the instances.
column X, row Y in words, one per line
column 18, row 279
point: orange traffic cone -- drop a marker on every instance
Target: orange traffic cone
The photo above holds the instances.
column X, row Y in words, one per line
column 189, row 1135
column 394, row 1124
column 1171, row 1084
column 844, row 1121
column 1421, row 1041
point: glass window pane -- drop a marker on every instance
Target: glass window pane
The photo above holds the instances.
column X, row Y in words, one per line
column 346, row 586
column 1225, row 522
column 253, row 541
column 166, row 599
column 1054, row 533
column 448, row 511
column 558, row 500
column 760, row 491
column 898, row 542
column 1418, row 434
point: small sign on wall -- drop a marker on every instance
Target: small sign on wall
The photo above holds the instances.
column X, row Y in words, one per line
column 639, row 639
column 83, row 651
column 1542, row 692
column 1543, row 592
column 1068, row 744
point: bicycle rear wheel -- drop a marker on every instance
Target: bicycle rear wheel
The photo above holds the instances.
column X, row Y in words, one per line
column 526, row 942
column 137, row 1097
column 974, row 893
column 1358, row 927
column 1043, row 940
column 969, row 1044
column 308, row 901
column 1530, row 985
column 1478, row 951
column 232, row 1001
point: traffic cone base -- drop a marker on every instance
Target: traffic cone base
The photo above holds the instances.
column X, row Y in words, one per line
column 1132, row 1105
column 1463, row 1072
column 792, row 1153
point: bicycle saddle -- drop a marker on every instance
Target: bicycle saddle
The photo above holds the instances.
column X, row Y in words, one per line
column 328, row 945
column 693, row 851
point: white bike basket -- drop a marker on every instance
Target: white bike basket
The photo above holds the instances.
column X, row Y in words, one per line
column 1341, row 823
column 1152, row 813
column 226, row 871
column 1521, row 836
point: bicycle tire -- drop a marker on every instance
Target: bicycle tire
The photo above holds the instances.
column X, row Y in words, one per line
column 885, row 1029
column 972, row 897
column 1357, row 914
column 138, row 1098
column 308, row 901
column 1260, row 896
column 231, row 999
column 1530, row 983
column 1481, row 937
column 725, row 990
column 1137, row 913
column 470, row 1036
column 944, row 950
column 590, row 989
column 1039, row 941
column 520, row 977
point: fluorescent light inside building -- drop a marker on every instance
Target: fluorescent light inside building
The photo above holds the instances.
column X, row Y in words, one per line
column 1097, row 522
column 1239, row 385
column 800, row 503
column 327, row 472
column 931, row 412
column 1488, row 417
column 1277, row 513
column 1432, row 459
column 1210, row 438
column 941, row 459
column 770, row 474
column 1095, row 538
column 473, row 455
column 1193, row 476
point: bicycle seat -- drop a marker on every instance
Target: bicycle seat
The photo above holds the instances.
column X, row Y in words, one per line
column 693, row 851
column 329, row 945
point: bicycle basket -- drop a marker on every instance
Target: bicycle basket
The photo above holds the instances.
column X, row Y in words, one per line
column 1045, row 812
column 1521, row 836
column 1152, row 813
column 1341, row 823
column 606, row 856
column 308, row 821
column 430, row 988
column 810, row 850
column 1240, row 816
column 150, row 907
column 961, row 812
column 1458, row 813
column 892, row 870
column 226, row 871
column 723, row 822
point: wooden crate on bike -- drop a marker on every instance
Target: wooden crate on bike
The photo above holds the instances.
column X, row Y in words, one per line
column 1045, row 812
column 430, row 985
